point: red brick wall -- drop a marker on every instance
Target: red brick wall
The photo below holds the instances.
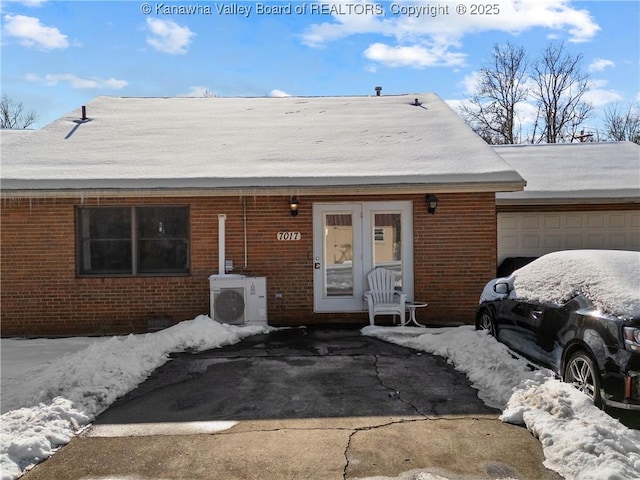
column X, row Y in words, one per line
column 454, row 255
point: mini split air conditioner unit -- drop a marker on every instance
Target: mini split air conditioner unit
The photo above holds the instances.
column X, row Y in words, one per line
column 238, row 300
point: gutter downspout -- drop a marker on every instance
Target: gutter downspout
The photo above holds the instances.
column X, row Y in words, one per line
column 221, row 244
column 244, row 213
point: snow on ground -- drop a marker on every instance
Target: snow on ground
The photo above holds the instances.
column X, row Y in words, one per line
column 47, row 405
column 52, row 400
column 579, row 440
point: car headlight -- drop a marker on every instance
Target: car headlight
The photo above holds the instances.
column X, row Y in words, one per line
column 631, row 338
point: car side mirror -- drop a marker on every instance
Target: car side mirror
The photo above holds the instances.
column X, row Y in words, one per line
column 501, row 288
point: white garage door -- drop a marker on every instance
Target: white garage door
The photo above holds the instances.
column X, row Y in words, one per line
column 534, row 234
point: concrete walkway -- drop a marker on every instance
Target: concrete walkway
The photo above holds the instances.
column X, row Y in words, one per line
column 314, row 403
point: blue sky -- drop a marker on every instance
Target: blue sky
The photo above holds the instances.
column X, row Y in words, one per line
column 58, row 55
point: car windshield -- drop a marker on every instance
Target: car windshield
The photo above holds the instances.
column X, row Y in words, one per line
column 610, row 279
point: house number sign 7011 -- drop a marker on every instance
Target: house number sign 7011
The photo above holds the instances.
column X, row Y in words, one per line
column 288, row 236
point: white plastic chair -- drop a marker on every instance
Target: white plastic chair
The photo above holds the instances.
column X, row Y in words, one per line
column 382, row 297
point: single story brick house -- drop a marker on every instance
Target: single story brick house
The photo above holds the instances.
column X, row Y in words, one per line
column 115, row 216
column 578, row 195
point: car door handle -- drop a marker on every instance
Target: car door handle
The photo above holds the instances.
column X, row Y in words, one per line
column 536, row 314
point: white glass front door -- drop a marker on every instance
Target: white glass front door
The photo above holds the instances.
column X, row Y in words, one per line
column 350, row 240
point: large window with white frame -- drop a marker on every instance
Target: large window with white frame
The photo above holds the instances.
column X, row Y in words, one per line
column 129, row 240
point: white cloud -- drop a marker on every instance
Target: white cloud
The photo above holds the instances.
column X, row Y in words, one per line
column 435, row 39
column 31, row 33
column 77, row 82
column 168, row 37
column 599, row 97
column 278, row 93
column 600, row 64
column 416, row 56
column 470, row 83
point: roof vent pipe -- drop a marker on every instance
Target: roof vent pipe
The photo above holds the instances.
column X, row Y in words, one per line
column 221, row 243
column 84, row 112
column 378, row 90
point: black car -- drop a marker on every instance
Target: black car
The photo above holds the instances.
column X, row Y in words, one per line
column 577, row 313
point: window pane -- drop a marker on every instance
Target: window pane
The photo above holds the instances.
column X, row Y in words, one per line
column 104, row 240
column 387, row 244
column 163, row 256
column 163, row 239
column 108, row 256
column 109, row 222
column 162, row 222
column 338, row 255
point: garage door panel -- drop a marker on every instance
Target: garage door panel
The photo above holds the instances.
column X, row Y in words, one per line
column 530, row 242
column 617, row 240
column 508, row 223
column 534, row 234
column 595, row 220
column 573, row 242
column 573, row 221
column 552, row 241
column 617, row 221
column 552, row 221
column 595, row 240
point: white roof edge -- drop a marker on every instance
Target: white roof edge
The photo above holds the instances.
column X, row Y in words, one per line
column 569, row 196
column 476, row 187
column 502, row 202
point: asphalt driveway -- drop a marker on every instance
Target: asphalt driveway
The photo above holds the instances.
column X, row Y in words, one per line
column 305, row 403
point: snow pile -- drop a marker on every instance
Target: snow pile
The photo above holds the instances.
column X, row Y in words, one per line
column 610, row 279
column 49, row 404
column 579, row 440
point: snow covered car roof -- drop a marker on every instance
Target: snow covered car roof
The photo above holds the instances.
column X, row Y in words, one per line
column 610, row 279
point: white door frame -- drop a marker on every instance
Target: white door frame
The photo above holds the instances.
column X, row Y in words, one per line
column 363, row 247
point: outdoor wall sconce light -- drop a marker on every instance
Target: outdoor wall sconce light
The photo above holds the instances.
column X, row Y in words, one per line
column 293, row 205
column 432, row 203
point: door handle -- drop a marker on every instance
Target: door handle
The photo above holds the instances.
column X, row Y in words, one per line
column 536, row 314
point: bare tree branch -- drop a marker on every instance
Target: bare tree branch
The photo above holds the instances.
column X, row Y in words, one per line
column 622, row 125
column 559, row 91
column 13, row 114
column 491, row 112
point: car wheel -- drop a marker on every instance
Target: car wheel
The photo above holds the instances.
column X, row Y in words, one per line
column 581, row 372
column 486, row 322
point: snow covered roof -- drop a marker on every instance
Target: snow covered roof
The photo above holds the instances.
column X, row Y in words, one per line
column 356, row 144
column 8, row 136
column 574, row 172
